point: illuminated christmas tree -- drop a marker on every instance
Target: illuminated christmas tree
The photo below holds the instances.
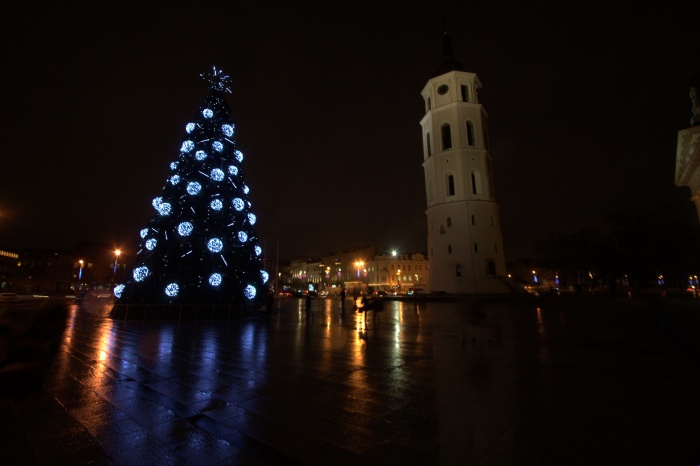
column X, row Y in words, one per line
column 200, row 246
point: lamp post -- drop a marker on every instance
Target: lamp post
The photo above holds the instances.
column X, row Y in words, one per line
column 359, row 265
column 337, row 264
column 536, row 282
column 117, row 253
column 80, row 275
column 398, row 282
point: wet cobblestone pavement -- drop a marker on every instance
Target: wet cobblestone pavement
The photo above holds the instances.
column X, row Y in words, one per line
column 469, row 382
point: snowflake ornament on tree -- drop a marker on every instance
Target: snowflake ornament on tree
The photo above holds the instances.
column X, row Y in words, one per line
column 200, row 246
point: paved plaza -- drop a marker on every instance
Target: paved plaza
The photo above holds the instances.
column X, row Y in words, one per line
column 491, row 381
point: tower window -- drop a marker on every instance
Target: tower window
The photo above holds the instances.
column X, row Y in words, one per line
column 459, row 270
column 490, row 267
column 465, row 93
column 470, row 133
column 446, row 136
column 449, row 249
column 476, row 182
column 427, row 141
column 449, row 221
column 450, row 185
column 476, row 247
column 473, row 220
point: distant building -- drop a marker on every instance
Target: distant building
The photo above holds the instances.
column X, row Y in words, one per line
column 465, row 244
column 44, row 271
column 363, row 268
column 8, row 269
column 688, row 152
column 49, row 271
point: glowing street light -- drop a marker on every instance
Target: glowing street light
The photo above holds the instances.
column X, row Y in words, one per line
column 80, row 275
column 117, row 253
column 337, row 265
column 359, row 265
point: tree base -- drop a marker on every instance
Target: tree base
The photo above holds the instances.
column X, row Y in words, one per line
column 139, row 311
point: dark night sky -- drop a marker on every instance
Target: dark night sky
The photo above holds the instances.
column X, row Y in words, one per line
column 584, row 105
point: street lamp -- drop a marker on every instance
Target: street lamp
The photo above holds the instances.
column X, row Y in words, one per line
column 337, row 265
column 398, row 282
column 359, row 265
column 80, row 275
column 117, row 253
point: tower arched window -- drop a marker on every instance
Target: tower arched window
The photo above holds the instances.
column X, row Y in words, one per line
column 470, row 134
column 476, row 182
column 427, row 142
column 446, row 133
column 450, row 185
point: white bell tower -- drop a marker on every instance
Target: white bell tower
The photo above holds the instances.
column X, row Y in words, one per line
column 465, row 244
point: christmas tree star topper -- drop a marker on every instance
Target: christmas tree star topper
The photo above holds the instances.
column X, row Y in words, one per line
column 217, row 80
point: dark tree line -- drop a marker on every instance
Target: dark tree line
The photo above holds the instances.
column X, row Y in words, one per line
column 627, row 247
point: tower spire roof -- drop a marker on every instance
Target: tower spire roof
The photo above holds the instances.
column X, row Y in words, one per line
column 448, row 60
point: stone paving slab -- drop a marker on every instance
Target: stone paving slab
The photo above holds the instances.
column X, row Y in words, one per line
column 489, row 381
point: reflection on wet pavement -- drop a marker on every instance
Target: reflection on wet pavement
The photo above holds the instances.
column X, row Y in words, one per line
column 464, row 382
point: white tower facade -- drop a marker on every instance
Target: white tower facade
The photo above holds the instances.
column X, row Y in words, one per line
column 465, row 243
column 688, row 151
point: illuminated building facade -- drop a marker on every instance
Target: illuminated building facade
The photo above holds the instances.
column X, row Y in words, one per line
column 364, row 268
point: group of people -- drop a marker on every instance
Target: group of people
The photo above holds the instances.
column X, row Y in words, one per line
column 362, row 302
